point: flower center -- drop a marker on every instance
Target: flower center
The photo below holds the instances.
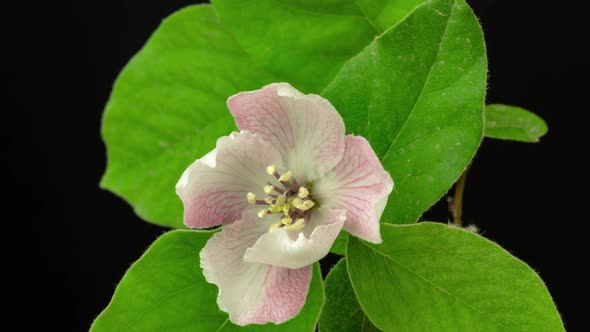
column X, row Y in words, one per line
column 291, row 199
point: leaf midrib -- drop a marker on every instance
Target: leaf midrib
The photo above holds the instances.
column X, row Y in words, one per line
column 426, row 82
column 368, row 18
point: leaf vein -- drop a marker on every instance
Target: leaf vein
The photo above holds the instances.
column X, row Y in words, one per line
column 431, row 283
column 426, row 81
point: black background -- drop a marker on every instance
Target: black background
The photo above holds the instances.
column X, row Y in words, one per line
column 67, row 243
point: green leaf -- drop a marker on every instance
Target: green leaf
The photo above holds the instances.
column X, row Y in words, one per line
column 434, row 277
column 339, row 246
column 165, row 291
column 386, row 13
column 342, row 311
column 513, row 123
column 306, row 42
column 168, row 108
column 417, row 93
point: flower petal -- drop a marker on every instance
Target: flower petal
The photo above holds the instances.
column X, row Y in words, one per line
column 252, row 292
column 306, row 129
column 213, row 189
column 294, row 250
column 358, row 184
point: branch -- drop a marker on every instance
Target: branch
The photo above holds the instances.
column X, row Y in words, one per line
column 456, row 202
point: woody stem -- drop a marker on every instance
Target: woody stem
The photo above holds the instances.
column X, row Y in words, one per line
column 456, row 202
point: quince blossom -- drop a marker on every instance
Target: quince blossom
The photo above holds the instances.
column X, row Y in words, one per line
column 283, row 188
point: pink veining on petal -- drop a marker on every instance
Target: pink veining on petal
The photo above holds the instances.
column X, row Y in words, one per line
column 213, row 189
column 306, row 129
column 252, row 293
column 285, row 293
column 360, row 185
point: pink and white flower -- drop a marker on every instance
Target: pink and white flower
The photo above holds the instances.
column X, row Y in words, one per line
column 283, row 188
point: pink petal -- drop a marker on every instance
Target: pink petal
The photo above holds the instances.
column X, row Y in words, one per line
column 306, row 129
column 213, row 189
column 252, row 293
column 294, row 250
column 358, row 184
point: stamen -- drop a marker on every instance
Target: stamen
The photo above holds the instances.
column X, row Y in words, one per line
column 251, row 198
column 295, row 184
column 289, row 198
column 303, row 205
column 307, row 205
column 274, row 226
column 279, row 190
column 271, row 170
column 303, row 192
column 297, row 225
column 296, row 202
column 268, row 189
column 286, row 209
column 275, row 209
column 281, row 199
column 286, row 177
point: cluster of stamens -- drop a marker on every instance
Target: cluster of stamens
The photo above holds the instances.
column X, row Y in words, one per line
column 292, row 200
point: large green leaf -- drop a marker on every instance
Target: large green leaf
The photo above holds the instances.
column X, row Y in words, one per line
column 513, row 123
column 386, row 13
column 306, row 42
column 342, row 311
column 417, row 93
column 434, row 277
column 165, row 291
column 168, row 108
column 339, row 245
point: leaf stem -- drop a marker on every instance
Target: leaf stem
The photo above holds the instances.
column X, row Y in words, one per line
column 456, row 202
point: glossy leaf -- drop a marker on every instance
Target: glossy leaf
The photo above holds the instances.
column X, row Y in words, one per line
column 168, row 108
column 342, row 311
column 386, row 13
column 307, row 42
column 165, row 291
column 513, row 123
column 417, row 93
column 434, row 277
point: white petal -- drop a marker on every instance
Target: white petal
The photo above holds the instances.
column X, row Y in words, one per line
column 252, row 292
column 294, row 250
column 358, row 184
column 213, row 189
column 306, row 129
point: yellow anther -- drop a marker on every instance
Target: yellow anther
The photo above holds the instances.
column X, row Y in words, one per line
column 275, row 209
column 281, row 199
column 286, row 209
column 302, row 193
column 262, row 213
column 306, row 205
column 274, row 226
column 271, row 169
column 297, row 225
column 269, row 200
column 268, row 189
column 296, row 202
column 286, row 176
column 251, row 198
column 286, row 221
